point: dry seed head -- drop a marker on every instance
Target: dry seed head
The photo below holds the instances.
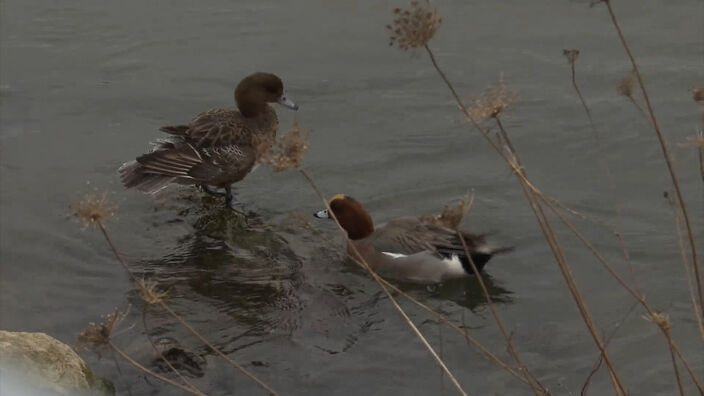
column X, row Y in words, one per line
column 625, row 87
column 97, row 335
column 149, row 292
column 571, row 55
column 289, row 151
column 695, row 141
column 451, row 216
column 492, row 102
column 661, row 319
column 93, row 208
column 698, row 95
column 414, row 26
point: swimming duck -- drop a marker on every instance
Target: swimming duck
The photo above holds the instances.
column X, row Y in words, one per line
column 409, row 249
column 219, row 147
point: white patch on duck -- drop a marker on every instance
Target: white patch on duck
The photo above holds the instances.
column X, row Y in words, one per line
column 452, row 264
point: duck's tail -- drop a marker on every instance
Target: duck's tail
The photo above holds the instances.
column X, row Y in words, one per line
column 482, row 252
column 134, row 175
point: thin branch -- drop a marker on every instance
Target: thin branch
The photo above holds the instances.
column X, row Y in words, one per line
column 178, row 317
column 535, row 385
column 572, row 60
column 665, row 152
column 607, row 340
column 545, row 227
column 150, row 372
column 161, row 355
column 378, row 279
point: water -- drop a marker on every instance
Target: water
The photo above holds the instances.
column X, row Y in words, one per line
column 85, row 85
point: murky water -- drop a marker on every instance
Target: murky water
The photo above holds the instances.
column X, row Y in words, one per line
column 85, row 85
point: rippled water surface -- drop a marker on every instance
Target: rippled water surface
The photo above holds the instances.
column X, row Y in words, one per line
column 84, row 85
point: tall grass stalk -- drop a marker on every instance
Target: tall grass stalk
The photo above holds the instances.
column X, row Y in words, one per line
column 169, row 381
column 572, row 55
column 162, row 357
column 545, row 227
column 665, row 152
column 176, row 316
column 534, row 383
column 382, row 284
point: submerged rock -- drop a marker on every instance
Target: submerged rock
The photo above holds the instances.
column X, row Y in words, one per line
column 35, row 364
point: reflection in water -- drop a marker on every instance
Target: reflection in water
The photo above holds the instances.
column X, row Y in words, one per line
column 252, row 284
column 242, row 284
column 468, row 293
column 236, row 277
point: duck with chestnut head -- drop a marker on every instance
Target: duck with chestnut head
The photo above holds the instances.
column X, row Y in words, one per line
column 218, row 147
column 409, row 249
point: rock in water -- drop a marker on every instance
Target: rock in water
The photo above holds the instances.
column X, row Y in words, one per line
column 35, row 363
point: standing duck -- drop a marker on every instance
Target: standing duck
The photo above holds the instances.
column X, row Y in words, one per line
column 409, row 249
column 218, row 148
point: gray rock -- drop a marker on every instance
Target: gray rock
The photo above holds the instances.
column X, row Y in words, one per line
column 38, row 364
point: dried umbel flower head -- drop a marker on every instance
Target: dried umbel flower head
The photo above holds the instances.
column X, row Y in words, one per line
column 451, row 216
column 571, row 55
column 698, row 95
column 93, row 208
column 289, row 151
column 661, row 319
column 97, row 335
column 414, row 26
column 695, row 141
column 625, row 87
column 149, row 292
column 492, row 102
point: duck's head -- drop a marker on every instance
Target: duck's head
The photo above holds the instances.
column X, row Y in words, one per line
column 256, row 90
column 351, row 215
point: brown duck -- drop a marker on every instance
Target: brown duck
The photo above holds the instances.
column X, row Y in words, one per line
column 218, row 148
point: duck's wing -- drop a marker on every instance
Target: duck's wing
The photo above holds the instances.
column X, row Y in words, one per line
column 213, row 165
column 212, row 128
column 410, row 236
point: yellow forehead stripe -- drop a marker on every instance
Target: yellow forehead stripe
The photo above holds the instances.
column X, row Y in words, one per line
column 337, row 196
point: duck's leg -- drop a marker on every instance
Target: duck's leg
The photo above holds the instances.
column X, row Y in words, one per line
column 206, row 188
column 230, row 202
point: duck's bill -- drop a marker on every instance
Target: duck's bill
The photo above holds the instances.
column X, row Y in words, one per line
column 286, row 102
column 323, row 214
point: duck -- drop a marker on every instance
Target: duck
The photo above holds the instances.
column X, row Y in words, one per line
column 218, row 148
column 409, row 249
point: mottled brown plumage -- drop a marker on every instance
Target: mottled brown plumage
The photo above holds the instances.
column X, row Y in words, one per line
column 218, row 147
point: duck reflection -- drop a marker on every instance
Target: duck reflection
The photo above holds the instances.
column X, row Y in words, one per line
column 468, row 292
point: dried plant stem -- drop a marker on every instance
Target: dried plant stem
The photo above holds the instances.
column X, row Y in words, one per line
column 153, row 374
column 471, row 340
column 390, row 296
column 534, row 383
column 461, row 331
column 607, row 340
column 179, row 318
column 701, row 150
column 639, row 107
column 665, row 152
column 674, row 361
column 584, row 104
column 687, row 270
column 545, row 227
column 161, row 356
column 635, row 293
